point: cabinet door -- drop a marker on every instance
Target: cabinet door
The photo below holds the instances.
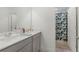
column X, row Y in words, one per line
column 17, row 46
column 36, row 43
column 27, row 48
column 14, row 48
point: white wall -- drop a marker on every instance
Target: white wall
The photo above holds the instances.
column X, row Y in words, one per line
column 4, row 13
column 72, row 28
column 78, row 19
column 43, row 19
column 78, row 26
column 24, row 16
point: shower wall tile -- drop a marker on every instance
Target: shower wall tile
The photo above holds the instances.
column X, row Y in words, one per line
column 61, row 26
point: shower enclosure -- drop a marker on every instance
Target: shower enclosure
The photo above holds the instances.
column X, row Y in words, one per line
column 61, row 26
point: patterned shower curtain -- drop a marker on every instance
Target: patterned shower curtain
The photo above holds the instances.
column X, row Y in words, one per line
column 61, row 26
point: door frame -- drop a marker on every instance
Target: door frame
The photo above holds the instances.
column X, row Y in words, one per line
column 76, row 29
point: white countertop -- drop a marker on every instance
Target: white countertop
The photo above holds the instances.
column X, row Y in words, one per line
column 8, row 42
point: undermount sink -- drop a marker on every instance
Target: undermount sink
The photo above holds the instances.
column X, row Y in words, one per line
column 8, row 36
column 2, row 37
column 12, row 35
column 25, row 34
column 5, row 38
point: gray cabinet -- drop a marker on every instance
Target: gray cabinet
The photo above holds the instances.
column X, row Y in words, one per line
column 31, row 44
column 16, row 47
column 27, row 48
column 36, row 42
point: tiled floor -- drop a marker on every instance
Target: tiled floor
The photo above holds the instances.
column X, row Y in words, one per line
column 62, row 46
column 62, row 50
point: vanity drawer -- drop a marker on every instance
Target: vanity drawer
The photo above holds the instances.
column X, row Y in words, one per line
column 17, row 46
column 27, row 48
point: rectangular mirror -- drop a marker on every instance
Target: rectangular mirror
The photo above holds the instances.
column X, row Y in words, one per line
column 15, row 17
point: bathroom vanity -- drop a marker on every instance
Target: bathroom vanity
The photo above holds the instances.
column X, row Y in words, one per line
column 21, row 43
column 15, row 30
